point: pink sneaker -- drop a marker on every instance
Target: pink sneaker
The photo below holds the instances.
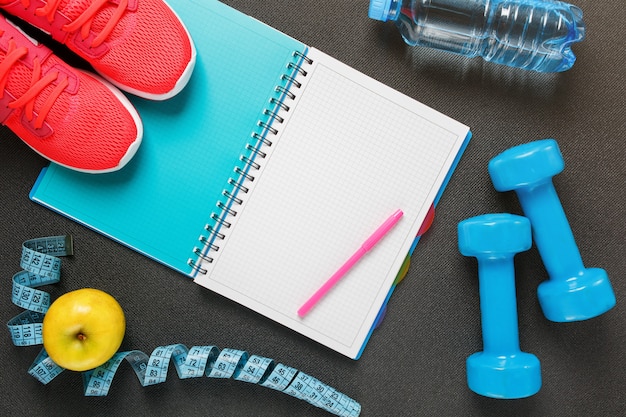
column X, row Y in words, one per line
column 140, row 46
column 68, row 116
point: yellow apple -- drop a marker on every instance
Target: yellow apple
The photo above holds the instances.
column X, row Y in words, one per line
column 83, row 329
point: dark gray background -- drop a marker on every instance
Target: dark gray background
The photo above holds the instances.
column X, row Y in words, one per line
column 414, row 364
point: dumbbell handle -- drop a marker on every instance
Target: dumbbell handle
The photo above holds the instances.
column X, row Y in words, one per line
column 497, row 304
column 551, row 230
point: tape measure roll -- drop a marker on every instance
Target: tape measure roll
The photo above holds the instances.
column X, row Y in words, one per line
column 42, row 267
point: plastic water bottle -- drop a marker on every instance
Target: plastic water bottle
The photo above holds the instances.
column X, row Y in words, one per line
column 530, row 34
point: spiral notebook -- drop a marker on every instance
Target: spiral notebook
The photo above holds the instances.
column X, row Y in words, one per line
column 267, row 172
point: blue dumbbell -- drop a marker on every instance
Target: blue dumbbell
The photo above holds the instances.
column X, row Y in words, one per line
column 501, row 370
column 573, row 292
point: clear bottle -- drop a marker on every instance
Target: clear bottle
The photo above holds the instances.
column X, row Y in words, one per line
column 530, row 34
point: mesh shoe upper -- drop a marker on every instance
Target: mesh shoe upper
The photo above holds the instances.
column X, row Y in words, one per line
column 66, row 115
column 141, row 46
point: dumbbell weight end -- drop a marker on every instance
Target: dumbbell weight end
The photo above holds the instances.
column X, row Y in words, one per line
column 587, row 295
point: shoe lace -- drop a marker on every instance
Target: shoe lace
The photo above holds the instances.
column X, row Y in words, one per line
column 38, row 84
column 84, row 21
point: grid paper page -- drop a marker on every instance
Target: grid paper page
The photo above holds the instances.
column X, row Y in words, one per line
column 350, row 153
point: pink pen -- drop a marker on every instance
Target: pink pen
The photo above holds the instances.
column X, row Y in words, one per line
column 369, row 243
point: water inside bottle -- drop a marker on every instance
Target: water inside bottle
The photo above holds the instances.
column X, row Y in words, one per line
column 531, row 34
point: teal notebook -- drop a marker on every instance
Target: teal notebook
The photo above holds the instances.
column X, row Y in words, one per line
column 267, row 172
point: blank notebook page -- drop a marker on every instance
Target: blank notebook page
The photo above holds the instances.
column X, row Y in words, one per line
column 350, row 152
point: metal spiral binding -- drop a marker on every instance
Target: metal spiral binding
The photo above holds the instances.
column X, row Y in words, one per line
column 280, row 104
column 251, row 162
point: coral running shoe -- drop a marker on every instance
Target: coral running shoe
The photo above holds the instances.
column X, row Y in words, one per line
column 140, row 46
column 68, row 116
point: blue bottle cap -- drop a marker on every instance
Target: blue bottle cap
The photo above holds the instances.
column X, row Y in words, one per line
column 379, row 9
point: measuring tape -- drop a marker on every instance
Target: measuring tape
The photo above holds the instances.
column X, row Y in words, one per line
column 42, row 267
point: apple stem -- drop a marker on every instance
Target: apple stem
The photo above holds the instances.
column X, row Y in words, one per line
column 81, row 337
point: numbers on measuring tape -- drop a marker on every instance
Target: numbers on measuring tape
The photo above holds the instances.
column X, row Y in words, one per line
column 43, row 267
column 40, row 256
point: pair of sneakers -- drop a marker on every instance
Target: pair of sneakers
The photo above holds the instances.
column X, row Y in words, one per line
column 76, row 118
